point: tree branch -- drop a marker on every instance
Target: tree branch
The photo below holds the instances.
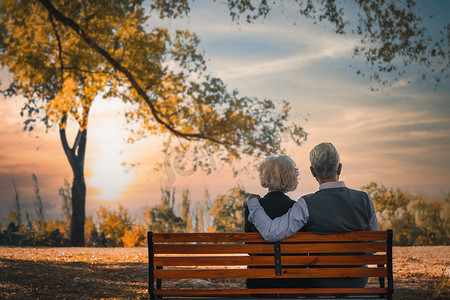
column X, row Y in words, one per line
column 76, row 142
column 72, row 24
column 86, row 71
column 63, row 137
column 82, row 148
column 61, row 62
column 80, row 141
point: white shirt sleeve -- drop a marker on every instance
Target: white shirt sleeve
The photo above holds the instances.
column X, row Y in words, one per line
column 280, row 227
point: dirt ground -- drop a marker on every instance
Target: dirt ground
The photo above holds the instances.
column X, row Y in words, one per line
column 121, row 273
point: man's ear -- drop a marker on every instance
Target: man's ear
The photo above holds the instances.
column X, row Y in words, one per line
column 339, row 169
column 312, row 171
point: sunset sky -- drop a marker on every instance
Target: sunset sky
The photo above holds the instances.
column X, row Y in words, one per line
column 398, row 136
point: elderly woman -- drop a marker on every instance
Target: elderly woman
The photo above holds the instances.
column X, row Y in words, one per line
column 279, row 175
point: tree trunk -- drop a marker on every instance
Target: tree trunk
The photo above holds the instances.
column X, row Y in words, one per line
column 76, row 155
column 78, row 210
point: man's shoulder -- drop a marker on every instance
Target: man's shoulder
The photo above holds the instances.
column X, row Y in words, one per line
column 309, row 195
column 358, row 192
column 353, row 192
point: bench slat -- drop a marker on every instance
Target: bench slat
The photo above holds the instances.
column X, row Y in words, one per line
column 269, row 273
column 269, row 260
column 256, row 237
column 290, row 291
column 268, row 248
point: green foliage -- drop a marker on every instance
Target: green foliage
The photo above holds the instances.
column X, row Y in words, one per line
column 415, row 219
column 228, row 211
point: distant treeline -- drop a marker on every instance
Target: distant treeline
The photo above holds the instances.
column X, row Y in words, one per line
column 415, row 219
column 119, row 228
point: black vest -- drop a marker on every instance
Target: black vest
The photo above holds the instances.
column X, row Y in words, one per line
column 275, row 204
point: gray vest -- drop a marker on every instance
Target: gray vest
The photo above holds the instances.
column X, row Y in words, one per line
column 337, row 210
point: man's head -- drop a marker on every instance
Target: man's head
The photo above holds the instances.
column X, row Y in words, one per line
column 278, row 173
column 325, row 163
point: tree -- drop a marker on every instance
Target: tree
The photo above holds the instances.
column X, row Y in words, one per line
column 29, row 227
column 114, row 225
column 200, row 216
column 228, row 211
column 66, row 195
column 186, row 211
column 394, row 37
column 162, row 218
column 15, row 216
column 130, row 238
column 415, row 219
column 92, row 237
column 39, row 209
column 82, row 49
column 59, row 78
column 78, row 50
column 12, row 233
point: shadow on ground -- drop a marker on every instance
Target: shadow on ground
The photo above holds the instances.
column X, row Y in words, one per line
column 25, row 279
column 44, row 279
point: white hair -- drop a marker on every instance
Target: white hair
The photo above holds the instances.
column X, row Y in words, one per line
column 324, row 160
column 278, row 173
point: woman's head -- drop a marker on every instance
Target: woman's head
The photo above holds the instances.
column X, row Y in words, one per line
column 278, row 173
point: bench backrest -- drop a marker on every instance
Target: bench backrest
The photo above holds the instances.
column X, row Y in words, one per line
column 308, row 255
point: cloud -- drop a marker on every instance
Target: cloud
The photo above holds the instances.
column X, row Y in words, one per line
column 283, row 50
column 297, row 61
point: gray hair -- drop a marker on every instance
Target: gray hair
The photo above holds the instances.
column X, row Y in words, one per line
column 324, row 160
column 278, row 173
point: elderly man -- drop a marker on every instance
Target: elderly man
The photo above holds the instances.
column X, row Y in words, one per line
column 333, row 208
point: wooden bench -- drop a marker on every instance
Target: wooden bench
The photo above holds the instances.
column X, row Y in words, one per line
column 226, row 255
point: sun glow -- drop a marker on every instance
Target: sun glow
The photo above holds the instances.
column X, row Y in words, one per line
column 107, row 151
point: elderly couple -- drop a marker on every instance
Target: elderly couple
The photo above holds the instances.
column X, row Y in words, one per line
column 333, row 208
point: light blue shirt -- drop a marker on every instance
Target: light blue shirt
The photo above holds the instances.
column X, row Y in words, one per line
column 292, row 221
